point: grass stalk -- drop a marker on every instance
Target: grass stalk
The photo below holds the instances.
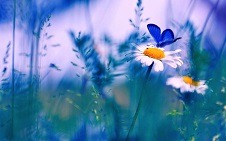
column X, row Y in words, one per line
column 140, row 101
column 13, row 65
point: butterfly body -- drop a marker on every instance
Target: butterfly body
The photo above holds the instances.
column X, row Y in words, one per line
column 164, row 39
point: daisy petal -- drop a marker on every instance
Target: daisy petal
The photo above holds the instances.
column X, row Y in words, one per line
column 173, row 65
column 158, row 66
column 138, row 58
column 148, row 63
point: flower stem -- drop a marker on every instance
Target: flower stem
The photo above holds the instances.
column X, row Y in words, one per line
column 140, row 101
column 13, row 65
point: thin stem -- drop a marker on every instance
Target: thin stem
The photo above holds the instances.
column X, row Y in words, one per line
column 88, row 17
column 222, row 52
column 209, row 15
column 140, row 101
column 37, row 73
column 13, row 65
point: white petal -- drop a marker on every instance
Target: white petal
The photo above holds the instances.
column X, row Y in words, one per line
column 138, row 58
column 179, row 63
column 183, row 89
column 173, row 65
column 172, row 52
column 201, row 89
column 173, row 61
column 187, row 88
column 202, row 82
column 178, row 50
column 149, row 62
column 158, row 66
column 141, row 48
column 144, row 59
column 176, row 82
column 137, row 51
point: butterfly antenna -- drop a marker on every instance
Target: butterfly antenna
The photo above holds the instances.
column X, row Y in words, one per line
column 177, row 39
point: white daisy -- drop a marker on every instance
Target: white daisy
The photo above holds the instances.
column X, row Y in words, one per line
column 187, row 84
column 149, row 54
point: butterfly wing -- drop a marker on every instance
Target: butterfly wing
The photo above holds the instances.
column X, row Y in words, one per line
column 167, row 35
column 155, row 32
column 167, row 38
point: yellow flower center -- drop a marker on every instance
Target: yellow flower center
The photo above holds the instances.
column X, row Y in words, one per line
column 189, row 80
column 154, row 53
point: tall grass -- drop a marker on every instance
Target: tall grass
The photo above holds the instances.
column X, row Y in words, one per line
column 13, row 67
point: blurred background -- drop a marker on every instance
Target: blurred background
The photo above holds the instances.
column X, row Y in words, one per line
column 67, row 71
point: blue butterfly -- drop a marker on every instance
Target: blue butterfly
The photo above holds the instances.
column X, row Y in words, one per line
column 166, row 38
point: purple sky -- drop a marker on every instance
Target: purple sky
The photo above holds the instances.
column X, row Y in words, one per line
column 107, row 16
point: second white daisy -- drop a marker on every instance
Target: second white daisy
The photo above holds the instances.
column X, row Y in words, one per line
column 187, row 84
column 149, row 54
